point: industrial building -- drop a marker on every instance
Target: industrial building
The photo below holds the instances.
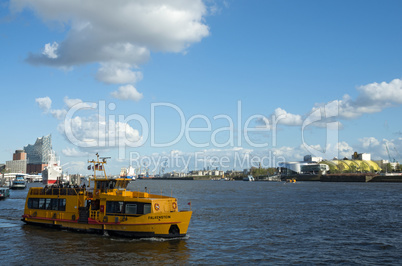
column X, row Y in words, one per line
column 310, row 165
column 359, row 163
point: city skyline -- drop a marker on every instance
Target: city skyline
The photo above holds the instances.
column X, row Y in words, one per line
column 203, row 81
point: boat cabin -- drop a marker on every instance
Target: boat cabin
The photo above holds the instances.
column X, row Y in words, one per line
column 109, row 184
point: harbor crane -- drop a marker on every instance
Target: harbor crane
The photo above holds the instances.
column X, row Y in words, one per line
column 399, row 156
column 389, row 155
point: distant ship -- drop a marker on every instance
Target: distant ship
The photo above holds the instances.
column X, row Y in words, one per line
column 128, row 173
column 52, row 172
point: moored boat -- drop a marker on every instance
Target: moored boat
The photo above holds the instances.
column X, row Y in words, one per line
column 4, row 192
column 248, row 178
column 19, row 182
column 107, row 207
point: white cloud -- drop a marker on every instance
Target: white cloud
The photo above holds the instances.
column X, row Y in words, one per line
column 71, row 102
column 72, row 152
column 117, row 32
column 384, row 149
column 380, row 93
column 91, row 130
column 345, row 150
column 59, row 113
column 118, row 73
column 288, row 119
column 280, row 117
column 44, row 103
column 127, row 92
column 95, row 131
column 50, row 50
column 75, row 167
column 372, row 98
column 369, row 142
column 290, row 153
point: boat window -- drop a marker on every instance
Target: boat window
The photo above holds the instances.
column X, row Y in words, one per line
column 114, row 207
column 147, row 208
column 47, row 204
column 42, row 203
column 112, row 183
column 33, row 203
column 62, row 204
column 53, row 204
column 122, row 184
column 131, row 208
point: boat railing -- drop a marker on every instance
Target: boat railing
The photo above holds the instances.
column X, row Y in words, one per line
column 57, row 191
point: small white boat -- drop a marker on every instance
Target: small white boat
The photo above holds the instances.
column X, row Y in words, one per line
column 4, row 192
column 249, row 178
column 19, row 182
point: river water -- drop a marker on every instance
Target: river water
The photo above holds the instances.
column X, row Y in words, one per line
column 234, row 222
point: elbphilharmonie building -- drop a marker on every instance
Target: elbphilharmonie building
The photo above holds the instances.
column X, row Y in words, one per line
column 38, row 154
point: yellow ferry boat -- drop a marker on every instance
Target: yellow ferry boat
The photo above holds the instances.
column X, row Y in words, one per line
column 108, row 207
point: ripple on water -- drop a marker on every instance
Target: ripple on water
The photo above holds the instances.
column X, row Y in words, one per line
column 234, row 223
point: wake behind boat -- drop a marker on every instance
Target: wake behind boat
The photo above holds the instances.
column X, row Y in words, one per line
column 108, row 207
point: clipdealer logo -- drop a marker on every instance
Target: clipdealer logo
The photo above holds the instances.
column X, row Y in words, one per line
column 115, row 131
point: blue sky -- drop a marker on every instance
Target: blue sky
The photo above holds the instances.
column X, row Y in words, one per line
column 211, row 62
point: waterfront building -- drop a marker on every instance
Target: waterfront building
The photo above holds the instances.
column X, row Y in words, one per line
column 311, row 159
column 38, row 154
column 360, row 163
column 19, row 155
column 18, row 164
column 206, row 173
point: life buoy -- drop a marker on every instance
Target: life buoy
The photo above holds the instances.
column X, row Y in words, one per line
column 156, row 206
column 174, row 205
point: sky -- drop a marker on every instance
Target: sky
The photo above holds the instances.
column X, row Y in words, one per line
column 215, row 84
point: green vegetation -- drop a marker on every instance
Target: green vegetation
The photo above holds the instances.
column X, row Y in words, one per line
column 262, row 171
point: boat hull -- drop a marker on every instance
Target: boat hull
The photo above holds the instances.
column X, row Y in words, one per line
column 138, row 215
column 18, row 186
column 165, row 226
